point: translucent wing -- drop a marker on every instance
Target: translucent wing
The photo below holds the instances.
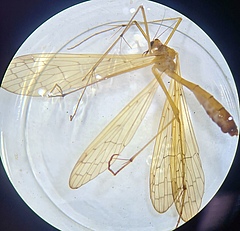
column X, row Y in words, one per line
column 38, row 74
column 176, row 170
column 112, row 139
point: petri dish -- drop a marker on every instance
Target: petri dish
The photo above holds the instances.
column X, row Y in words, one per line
column 48, row 144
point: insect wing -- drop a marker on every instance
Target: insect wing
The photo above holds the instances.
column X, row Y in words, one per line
column 38, row 74
column 113, row 138
column 176, row 170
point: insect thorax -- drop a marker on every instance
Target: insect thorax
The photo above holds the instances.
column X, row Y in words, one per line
column 164, row 56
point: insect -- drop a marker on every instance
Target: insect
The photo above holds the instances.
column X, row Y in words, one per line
column 176, row 175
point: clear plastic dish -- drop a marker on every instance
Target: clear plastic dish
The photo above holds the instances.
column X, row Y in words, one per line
column 40, row 145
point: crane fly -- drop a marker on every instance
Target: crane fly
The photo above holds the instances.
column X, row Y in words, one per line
column 176, row 174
